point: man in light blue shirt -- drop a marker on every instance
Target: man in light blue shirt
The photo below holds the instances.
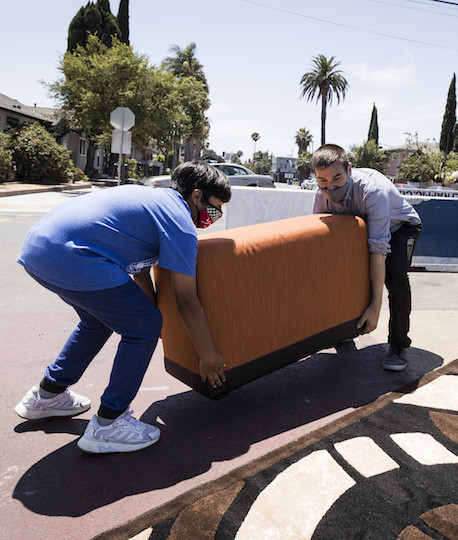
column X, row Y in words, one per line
column 393, row 227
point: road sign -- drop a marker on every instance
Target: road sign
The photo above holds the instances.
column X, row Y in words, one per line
column 122, row 118
column 116, row 137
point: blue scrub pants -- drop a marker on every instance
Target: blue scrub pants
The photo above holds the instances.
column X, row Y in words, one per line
column 125, row 310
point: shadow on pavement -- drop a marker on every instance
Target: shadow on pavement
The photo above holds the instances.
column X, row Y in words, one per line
column 197, row 432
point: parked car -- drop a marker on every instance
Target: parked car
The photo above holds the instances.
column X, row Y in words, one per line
column 309, row 183
column 241, row 176
column 157, row 181
column 238, row 176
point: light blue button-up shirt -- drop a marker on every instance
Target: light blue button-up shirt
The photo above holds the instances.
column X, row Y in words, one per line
column 374, row 198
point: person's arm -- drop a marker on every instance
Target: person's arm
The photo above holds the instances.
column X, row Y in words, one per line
column 143, row 280
column 190, row 309
column 369, row 319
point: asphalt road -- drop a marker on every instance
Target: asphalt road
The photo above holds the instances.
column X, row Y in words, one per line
column 296, row 400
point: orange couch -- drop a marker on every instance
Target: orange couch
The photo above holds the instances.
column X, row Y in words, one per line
column 273, row 293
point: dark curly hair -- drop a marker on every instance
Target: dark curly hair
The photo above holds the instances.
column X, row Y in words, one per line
column 201, row 175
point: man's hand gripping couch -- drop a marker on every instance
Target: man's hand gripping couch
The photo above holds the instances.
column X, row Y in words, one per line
column 273, row 294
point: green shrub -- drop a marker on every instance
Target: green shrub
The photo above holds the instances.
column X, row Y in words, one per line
column 6, row 158
column 132, row 168
column 421, row 167
column 39, row 158
column 78, row 175
column 369, row 155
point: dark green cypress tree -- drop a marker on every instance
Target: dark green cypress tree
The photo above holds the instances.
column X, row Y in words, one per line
column 76, row 31
column 92, row 21
column 373, row 128
column 449, row 121
column 104, row 5
column 95, row 19
column 123, row 20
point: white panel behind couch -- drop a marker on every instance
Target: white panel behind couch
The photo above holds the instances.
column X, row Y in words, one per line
column 437, row 248
column 251, row 205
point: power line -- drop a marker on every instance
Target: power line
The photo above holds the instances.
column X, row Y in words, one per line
column 259, row 4
column 415, row 8
column 445, row 2
column 425, row 3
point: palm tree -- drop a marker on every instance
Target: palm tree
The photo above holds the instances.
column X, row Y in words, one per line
column 184, row 63
column 255, row 136
column 303, row 139
column 324, row 81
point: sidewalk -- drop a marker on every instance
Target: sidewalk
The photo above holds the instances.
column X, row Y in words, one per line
column 8, row 189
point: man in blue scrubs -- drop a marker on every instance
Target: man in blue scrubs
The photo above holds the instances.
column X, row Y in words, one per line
column 96, row 252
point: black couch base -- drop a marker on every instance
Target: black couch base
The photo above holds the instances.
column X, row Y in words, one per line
column 263, row 365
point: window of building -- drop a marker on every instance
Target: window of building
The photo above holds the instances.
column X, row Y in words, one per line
column 82, row 149
column 13, row 122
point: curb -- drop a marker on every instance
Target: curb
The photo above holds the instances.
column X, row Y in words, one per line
column 41, row 189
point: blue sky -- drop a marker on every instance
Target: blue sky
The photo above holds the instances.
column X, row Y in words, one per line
column 398, row 54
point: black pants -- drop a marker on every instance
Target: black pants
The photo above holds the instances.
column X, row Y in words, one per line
column 397, row 282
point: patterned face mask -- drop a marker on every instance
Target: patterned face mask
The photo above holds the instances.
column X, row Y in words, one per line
column 208, row 216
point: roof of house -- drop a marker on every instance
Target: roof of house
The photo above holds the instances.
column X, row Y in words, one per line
column 46, row 114
column 412, row 147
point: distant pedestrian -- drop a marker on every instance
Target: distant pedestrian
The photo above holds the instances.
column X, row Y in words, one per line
column 86, row 250
column 393, row 227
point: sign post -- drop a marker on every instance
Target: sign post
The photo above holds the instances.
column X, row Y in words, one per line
column 122, row 119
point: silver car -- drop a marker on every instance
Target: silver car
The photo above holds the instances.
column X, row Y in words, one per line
column 309, row 183
column 238, row 176
column 241, row 176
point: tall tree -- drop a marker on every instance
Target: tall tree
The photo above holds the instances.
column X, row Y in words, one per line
column 303, row 140
column 262, row 162
column 95, row 80
column 92, row 19
column 303, row 165
column 373, row 127
column 194, row 100
column 123, row 20
column 185, row 65
column 324, row 81
column 449, row 121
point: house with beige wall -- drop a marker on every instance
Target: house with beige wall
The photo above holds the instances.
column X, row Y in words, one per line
column 14, row 114
column 396, row 155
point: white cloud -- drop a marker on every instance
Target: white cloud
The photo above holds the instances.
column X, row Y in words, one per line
column 386, row 77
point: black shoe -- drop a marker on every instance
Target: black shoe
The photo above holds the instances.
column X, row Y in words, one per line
column 396, row 359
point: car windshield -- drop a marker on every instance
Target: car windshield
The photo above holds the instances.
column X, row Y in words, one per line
column 232, row 170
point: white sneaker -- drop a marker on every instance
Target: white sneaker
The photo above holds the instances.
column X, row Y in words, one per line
column 34, row 407
column 125, row 434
